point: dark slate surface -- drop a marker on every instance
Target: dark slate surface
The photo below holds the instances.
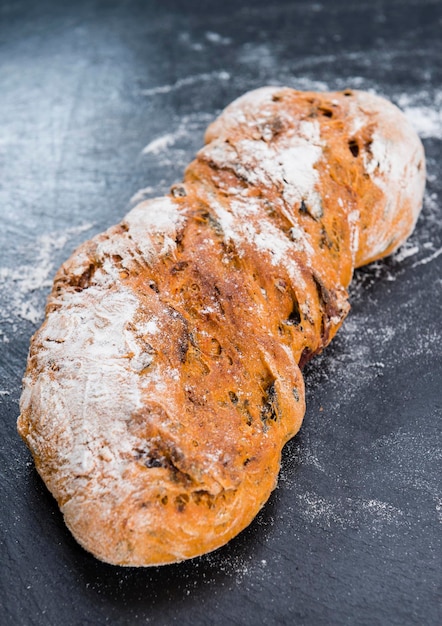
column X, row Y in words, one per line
column 352, row 534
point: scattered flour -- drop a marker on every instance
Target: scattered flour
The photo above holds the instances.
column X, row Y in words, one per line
column 348, row 512
column 161, row 143
column 399, row 457
column 22, row 287
column 424, row 110
column 142, row 194
column 187, row 81
column 427, row 121
column 405, row 251
column 174, row 147
column 216, row 38
column 428, row 259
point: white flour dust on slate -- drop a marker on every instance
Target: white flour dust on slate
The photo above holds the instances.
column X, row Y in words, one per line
column 23, row 287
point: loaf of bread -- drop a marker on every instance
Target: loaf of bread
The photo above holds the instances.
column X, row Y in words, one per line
column 166, row 377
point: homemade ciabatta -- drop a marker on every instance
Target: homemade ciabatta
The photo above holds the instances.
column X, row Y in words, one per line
column 166, row 377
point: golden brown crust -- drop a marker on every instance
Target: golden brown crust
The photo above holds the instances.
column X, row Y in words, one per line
column 166, row 378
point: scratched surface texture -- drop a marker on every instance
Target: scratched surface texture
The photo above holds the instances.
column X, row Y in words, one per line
column 103, row 103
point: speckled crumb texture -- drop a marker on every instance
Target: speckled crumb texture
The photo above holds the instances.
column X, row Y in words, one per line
column 166, row 377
